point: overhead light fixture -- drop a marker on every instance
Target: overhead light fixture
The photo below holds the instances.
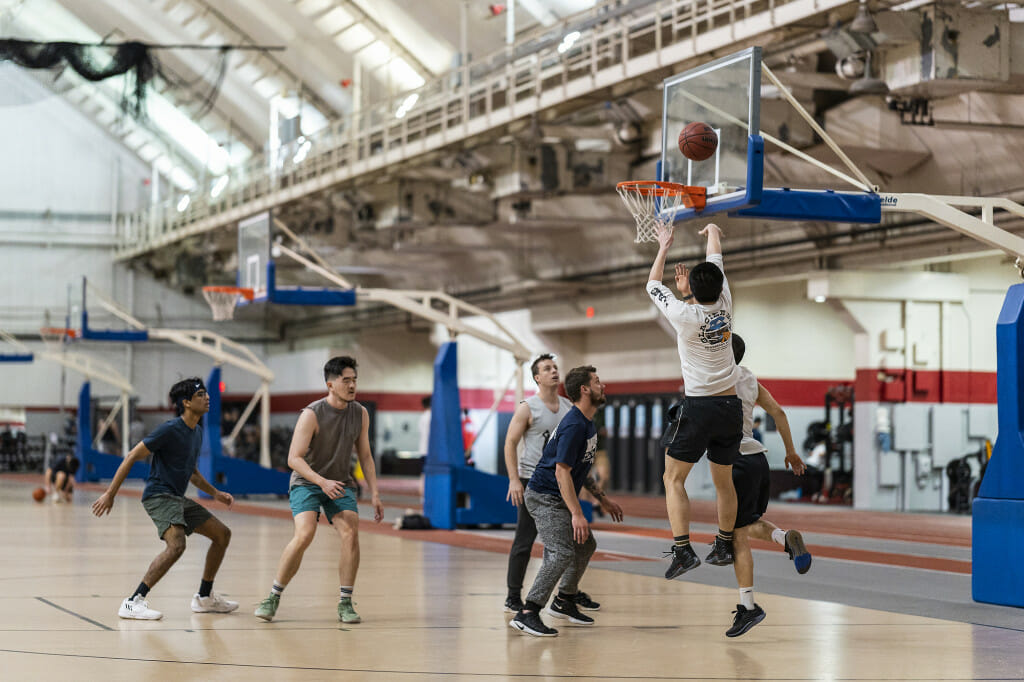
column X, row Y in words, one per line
column 183, row 203
column 863, row 22
column 819, row 299
column 868, row 85
column 568, row 41
column 407, row 104
column 219, row 186
column 303, row 150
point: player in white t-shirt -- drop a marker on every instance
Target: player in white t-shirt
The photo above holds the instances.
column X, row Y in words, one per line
column 710, row 417
column 750, row 475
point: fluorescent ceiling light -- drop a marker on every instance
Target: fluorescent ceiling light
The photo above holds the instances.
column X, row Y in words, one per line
column 219, row 185
column 819, row 299
column 568, row 41
column 407, row 104
column 183, row 202
column 303, row 151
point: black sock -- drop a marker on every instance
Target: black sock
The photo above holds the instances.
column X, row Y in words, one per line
column 725, row 535
column 682, row 540
column 530, row 606
column 562, row 596
column 142, row 590
column 205, row 586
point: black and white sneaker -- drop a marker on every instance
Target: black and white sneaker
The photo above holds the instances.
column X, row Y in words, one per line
column 745, row 619
column 531, row 624
column 565, row 609
column 514, row 604
column 797, row 551
column 584, row 601
column 683, row 559
column 721, row 553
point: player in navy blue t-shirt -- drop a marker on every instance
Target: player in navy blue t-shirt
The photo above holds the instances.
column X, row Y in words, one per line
column 175, row 447
column 552, row 498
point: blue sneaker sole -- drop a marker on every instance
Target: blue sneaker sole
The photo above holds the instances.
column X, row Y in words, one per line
column 798, row 551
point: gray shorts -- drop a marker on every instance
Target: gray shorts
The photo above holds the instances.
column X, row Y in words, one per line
column 171, row 510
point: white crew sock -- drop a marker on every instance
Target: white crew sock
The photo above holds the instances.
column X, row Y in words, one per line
column 779, row 536
column 747, row 598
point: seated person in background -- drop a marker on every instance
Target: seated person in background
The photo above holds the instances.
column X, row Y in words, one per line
column 59, row 480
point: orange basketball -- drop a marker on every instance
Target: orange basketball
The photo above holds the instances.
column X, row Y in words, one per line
column 698, row 141
column 38, row 494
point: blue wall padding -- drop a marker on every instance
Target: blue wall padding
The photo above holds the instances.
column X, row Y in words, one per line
column 93, row 464
column 230, row 474
column 1004, row 476
column 997, row 552
column 456, row 494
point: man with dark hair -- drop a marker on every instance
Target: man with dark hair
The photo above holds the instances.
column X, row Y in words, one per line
column 175, row 447
column 710, row 417
column 531, row 427
column 321, row 460
column 750, row 475
column 552, row 499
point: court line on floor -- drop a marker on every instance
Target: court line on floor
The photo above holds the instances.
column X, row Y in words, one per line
column 451, row 674
column 76, row 615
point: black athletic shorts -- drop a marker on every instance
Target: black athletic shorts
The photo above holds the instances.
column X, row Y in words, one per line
column 750, row 475
column 708, row 423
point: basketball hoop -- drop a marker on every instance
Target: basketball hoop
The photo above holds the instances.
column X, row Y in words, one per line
column 223, row 299
column 55, row 336
column 654, row 203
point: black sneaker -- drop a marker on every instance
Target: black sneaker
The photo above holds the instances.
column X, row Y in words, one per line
column 531, row 624
column 514, row 604
column 563, row 608
column 584, row 601
column 721, row 553
column 683, row 559
column 745, row 620
column 797, row 551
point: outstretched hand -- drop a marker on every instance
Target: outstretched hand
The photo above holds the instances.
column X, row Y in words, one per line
column 709, row 228
column 665, row 235
column 683, row 280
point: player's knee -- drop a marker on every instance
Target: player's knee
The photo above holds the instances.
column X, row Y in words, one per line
column 176, row 547
column 304, row 537
column 225, row 536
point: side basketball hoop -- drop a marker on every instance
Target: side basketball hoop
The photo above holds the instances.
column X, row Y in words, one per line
column 654, row 203
column 223, row 299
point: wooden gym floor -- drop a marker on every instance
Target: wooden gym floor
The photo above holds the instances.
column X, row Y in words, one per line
column 431, row 611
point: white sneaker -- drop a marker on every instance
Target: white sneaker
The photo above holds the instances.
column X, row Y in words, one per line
column 138, row 609
column 213, row 604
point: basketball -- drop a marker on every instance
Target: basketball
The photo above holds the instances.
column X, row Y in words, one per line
column 38, row 494
column 698, row 141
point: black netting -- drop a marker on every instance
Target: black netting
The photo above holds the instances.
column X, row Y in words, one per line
column 99, row 62
column 90, row 62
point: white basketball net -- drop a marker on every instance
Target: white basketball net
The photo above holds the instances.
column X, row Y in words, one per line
column 222, row 303
column 652, row 204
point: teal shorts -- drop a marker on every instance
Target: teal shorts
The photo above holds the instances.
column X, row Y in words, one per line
column 304, row 498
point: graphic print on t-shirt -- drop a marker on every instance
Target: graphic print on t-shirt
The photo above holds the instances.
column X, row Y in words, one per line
column 716, row 329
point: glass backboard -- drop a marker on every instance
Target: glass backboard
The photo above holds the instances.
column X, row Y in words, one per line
column 254, row 253
column 726, row 95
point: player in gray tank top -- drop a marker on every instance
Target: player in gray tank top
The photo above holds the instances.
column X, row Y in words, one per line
column 321, row 460
column 533, row 423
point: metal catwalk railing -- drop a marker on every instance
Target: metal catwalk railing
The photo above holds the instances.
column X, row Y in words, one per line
column 477, row 98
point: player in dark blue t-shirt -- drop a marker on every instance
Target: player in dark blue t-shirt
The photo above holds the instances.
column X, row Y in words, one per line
column 175, row 447
column 552, row 498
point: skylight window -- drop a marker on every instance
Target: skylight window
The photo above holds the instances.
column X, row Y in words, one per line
column 404, row 75
column 375, row 54
column 354, row 38
column 334, row 21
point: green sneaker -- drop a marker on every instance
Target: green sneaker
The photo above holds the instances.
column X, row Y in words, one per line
column 347, row 614
column 268, row 607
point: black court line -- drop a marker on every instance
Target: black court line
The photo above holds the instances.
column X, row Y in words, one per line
column 453, row 673
column 997, row 627
column 76, row 615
